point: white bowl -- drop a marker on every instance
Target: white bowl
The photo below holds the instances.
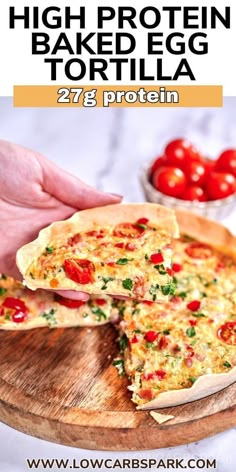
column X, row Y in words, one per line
column 216, row 209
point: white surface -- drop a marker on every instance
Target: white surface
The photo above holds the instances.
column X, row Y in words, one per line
column 106, row 148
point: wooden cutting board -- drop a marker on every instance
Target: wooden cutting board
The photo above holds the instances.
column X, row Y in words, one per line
column 60, row 385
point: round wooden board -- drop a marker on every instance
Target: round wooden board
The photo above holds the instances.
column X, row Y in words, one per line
column 60, row 385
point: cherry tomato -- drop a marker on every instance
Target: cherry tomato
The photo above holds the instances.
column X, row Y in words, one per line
column 79, row 270
column 195, row 173
column 181, row 151
column 74, row 239
column 163, row 342
column 194, row 193
column 159, row 162
column 170, row 181
column 227, row 162
column 142, row 221
column 128, row 230
column 198, row 250
column 227, row 332
column 210, row 165
column 220, row 185
column 1, row 311
column 68, row 302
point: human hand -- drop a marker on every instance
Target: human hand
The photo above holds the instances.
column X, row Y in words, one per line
column 34, row 192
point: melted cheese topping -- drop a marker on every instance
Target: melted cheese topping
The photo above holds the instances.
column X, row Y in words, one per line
column 168, row 346
column 117, row 258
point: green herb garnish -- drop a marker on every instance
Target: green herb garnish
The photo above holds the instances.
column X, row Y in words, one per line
column 198, row 315
column 166, row 331
column 123, row 343
column 146, row 257
column 192, row 379
column 50, row 317
column 161, row 269
column 99, row 313
column 182, row 295
column 168, row 289
column 135, row 311
column 119, row 365
column 106, row 280
column 140, row 225
column 227, row 364
column 191, row 332
column 49, row 249
column 123, row 261
column 127, row 284
column 2, row 291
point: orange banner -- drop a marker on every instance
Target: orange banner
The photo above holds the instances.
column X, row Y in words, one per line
column 89, row 96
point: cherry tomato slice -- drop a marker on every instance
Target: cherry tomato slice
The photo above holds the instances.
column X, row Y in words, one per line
column 198, row 250
column 150, row 336
column 68, row 302
column 128, row 230
column 19, row 316
column 100, row 301
column 194, row 305
column 170, row 181
column 15, row 304
column 177, row 267
column 146, row 394
column 227, row 333
column 143, row 221
column 1, row 311
column 157, row 258
column 79, row 270
column 220, row 185
column 227, row 162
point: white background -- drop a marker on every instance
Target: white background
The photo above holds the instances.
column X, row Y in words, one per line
column 18, row 66
column 107, row 147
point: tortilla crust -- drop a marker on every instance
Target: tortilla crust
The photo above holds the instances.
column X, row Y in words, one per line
column 218, row 236
column 85, row 220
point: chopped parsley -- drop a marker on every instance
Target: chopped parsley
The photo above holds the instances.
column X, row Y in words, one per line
column 49, row 249
column 166, row 331
column 31, row 275
column 50, row 317
column 106, row 280
column 182, row 295
column 198, row 315
column 191, row 332
column 121, row 311
column 168, row 289
column 127, row 284
column 227, row 364
column 123, row 343
column 149, row 345
column 2, row 291
column 135, row 311
column 161, row 269
column 99, row 313
column 146, row 257
column 192, row 379
column 153, row 290
column 119, row 365
column 123, row 261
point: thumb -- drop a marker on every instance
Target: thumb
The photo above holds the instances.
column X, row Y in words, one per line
column 70, row 190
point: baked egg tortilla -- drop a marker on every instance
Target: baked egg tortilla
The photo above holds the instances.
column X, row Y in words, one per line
column 185, row 349
column 21, row 308
column 117, row 249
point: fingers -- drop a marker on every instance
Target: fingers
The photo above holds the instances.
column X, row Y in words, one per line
column 84, row 297
column 70, row 190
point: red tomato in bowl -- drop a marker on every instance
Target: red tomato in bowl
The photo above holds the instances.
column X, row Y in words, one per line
column 179, row 152
column 227, row 162
column 159, row 162
column 194, row 193
column 220, row 185
column 196, row 173
column 170, row 181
